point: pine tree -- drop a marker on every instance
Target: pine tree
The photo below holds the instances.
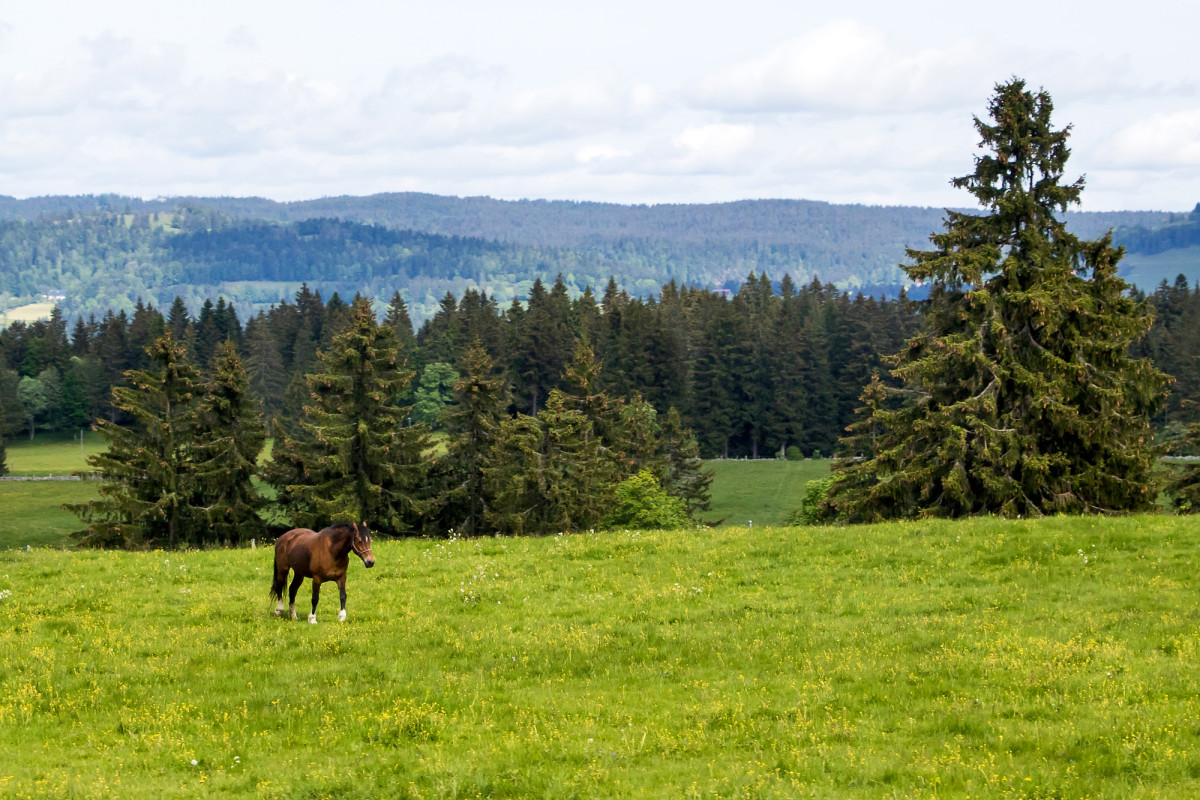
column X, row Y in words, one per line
column 145, row 497
column 229, row 437
column 398, row 319
column 354, row 457
column 515, row 476
column 685, row 476
column 264, row 364
column 1020, row 396
column 473, row 422
column 578, row 476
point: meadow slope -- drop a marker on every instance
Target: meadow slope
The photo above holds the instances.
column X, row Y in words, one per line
column 973, row 659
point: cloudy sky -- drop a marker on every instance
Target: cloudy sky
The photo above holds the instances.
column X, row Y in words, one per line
column 626, row 101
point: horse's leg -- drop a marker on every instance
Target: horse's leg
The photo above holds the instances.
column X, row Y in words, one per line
column 316, row 596
column 281, row 574
column 341, row 582
column 297, row 579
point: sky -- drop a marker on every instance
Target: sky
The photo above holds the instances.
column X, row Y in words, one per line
column 620, row 101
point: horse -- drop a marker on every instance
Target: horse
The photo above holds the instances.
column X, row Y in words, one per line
column 323, row 556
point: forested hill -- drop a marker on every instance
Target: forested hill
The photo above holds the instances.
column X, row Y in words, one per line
column 104, row 251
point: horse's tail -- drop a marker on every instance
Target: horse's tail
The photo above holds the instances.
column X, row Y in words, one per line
column 279, row 582
column 277, row 587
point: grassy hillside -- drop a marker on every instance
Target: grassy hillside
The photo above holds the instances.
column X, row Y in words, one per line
column 762, row 492
column 972, row 659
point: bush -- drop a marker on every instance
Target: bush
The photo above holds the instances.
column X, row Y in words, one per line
column 793, row 453
column 643, row 503
column 809, row 512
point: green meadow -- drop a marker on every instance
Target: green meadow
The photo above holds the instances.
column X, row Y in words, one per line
column 982, row 658
column 1048, row 659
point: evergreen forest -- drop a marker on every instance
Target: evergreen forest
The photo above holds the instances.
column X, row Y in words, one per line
column 95, row 253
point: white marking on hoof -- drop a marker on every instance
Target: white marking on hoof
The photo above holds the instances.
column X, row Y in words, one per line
column 279, row 609
column 312, row 618
column 294, row 614
column 342, row 615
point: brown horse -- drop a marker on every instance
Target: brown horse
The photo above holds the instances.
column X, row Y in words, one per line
column 323, row 556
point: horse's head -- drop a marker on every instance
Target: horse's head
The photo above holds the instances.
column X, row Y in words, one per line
column 360, row 541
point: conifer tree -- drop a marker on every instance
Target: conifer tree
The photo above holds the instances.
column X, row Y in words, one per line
column 579, row 477
column 685, row 476
column 145, row 496
column 1019, row 394
column 473, row 422
column 515, row 476
column 354, row 457
column 398, row 319
column 264, row 366
column 229, row 437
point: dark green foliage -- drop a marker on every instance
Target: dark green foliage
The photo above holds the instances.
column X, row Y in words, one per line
column 1184, row 484
column 473, row 423
column 577, row 474
column 516, row 477
column 229, row 437
column 354, row 457
column 1019, row 395
column 145, row 497
column 3, row 449
column 548, row 474
column 684, row 474
column 12, row 413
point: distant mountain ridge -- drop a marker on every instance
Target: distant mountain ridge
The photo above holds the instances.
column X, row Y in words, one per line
column 255, row 251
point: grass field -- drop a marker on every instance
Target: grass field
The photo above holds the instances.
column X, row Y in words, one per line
column 27, row 313
column 742, row 491
column 32, row 513
column 52, row 453
column 762, row 492
column 1050, row 659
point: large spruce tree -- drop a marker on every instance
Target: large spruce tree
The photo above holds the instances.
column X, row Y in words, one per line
column 355, row 457
column 1019, row 396
column 229, row 437
column 473, row 424
column 145, row 496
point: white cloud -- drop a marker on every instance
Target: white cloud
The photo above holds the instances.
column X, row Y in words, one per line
column 845, row 66
column 591, row 153
column 1161, row 141
column 712, row 148
column 242, row 38
column 724, row 107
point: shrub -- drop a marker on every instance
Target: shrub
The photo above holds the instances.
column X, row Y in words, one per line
column 793, row 453
column 643, row 503
column 809, row 512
